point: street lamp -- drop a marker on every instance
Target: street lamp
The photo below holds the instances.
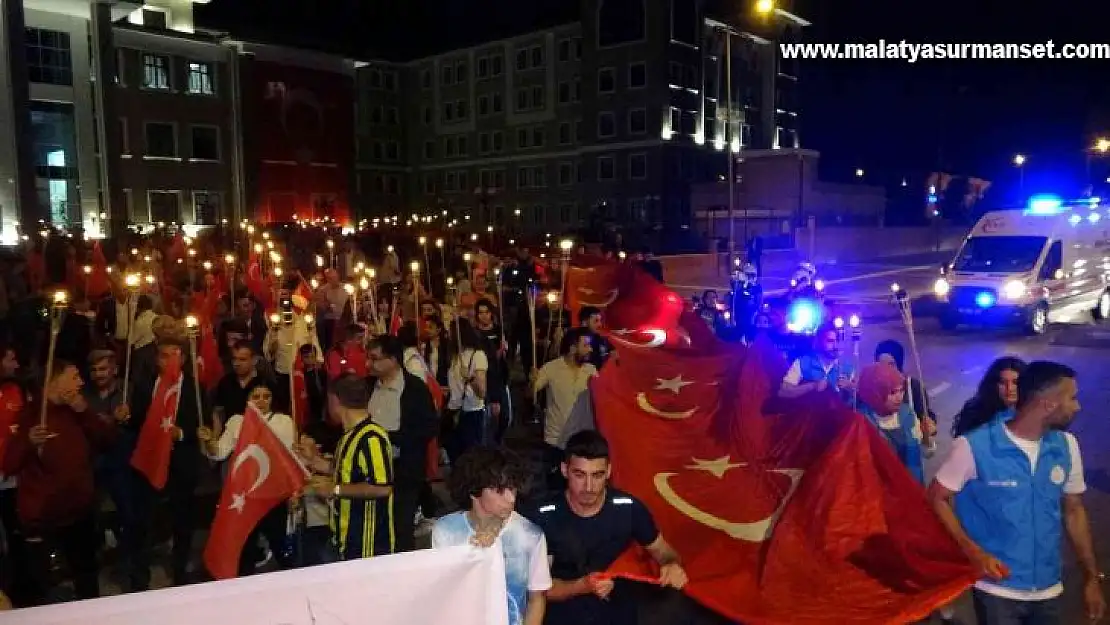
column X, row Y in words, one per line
column 1019, row 162
column 765, row 7
column 1102, row 144
column 859, row 173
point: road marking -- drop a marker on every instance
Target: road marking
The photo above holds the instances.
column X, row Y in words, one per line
column 862, row 276
column 939, row 388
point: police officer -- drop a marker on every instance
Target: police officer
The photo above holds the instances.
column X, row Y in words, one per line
column 587, row 528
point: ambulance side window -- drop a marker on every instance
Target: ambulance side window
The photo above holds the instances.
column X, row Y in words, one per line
column 1053, row 262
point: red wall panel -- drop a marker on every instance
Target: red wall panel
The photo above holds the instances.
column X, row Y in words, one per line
column 298, row 129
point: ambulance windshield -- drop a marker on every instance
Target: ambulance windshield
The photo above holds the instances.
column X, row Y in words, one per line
column 1010, row 254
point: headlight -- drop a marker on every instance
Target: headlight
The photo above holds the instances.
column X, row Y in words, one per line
column 1014, row 289
column 940, row 287
column 819, row 285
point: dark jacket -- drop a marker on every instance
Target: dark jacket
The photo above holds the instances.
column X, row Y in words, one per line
column 419, row 424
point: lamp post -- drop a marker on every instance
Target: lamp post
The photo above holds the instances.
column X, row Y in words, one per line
column 414, row 267
column 57, row 315
column 1019, row 162
column 133, row 282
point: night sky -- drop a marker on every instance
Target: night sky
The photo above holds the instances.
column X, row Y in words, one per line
column 888, row 117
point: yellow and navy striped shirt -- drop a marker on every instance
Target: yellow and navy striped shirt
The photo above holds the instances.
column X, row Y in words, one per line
column 364, row 527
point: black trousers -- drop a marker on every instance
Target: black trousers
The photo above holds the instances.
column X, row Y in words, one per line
column 180, row 501
column 406, row 499
column 272, row 526
column 76, row 542
column 19, row 586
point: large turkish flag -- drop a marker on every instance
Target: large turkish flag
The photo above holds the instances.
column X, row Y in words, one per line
column 783, row 512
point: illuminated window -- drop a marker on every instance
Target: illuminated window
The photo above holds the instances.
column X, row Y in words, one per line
column 156, row 71
column 200, row 78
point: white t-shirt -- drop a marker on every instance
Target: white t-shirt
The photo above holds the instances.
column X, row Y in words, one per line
column 280, row 424
column 564, row 384
column 462, row 394
column 525, row 550
column 414, row 363
column 959, row 469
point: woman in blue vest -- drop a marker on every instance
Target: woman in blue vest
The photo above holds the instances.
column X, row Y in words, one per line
column 994, row 400
column 882, row 392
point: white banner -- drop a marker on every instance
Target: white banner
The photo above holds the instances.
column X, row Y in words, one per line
column 460, row 586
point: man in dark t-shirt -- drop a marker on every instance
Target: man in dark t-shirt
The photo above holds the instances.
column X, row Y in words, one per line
column 587, row 528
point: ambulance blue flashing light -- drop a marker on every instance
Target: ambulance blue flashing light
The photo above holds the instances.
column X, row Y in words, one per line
column 1074, row 220
column 1045, row 205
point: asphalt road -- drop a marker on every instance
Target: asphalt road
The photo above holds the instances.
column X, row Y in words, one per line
column 954, row 362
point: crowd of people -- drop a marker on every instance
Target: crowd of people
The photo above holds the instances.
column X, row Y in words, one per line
column 385, row 377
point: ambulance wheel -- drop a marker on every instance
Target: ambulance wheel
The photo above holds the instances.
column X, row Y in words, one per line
column 1101, row 311
column 1038, row 321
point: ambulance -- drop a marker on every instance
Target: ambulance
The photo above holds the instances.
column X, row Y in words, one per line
column 1046, row 263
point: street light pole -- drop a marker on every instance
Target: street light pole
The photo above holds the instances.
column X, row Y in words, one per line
column 728, row 149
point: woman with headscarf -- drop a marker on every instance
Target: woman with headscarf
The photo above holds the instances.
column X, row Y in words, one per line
column 882, row 393
column 995, row 398
column 892, row 352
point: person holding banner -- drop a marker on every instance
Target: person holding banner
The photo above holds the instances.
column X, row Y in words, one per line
column 484, row 484
column 220, row 445
column 587, row 528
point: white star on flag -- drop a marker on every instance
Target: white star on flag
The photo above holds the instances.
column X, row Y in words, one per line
column 238, row 502
column 673, row 385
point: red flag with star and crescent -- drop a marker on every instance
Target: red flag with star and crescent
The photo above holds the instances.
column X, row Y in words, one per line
column 782, row 511
column 262, row 473
column 156, row 438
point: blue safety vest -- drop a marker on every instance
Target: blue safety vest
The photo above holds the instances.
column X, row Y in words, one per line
column 813, row 370
column 1013, row 512
column 902, row 439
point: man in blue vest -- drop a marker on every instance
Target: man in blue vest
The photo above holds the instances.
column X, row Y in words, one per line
column 1009, row 490
column 820, row 369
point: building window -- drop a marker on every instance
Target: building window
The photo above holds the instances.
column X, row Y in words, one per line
column 392, row 116
column 429, row 149
column 156, row 71
column 429, row 184
column 483, row 106
column 165, row 206
column 389, row 80
column 606, row 83
column 637, row 121
column 124, row 141
column 564, row 93
column 200, row 78
column 522, row 137
column 637, row 166
column 460, row 110
column 605, row 168
column 428, row 115
column 538, row 137
column 565, row 211
column 606, row 125
column 462, row 145
column 205, row 142
column 206, row 207
column 460, row 72
column 564, row 133
column 566, row 174
column 522, row 99
column 637, row 75
column 537, row 56
column 49, row 60
column 481, row 70
column 497, row 104
column 496, row 65
column 564, row 50
column 161, row 140
column 426, row 79
column 447, row 74
column 521, row 60
column 538, row 100
column 448, row 111
column 498, row 141
column 392, row 151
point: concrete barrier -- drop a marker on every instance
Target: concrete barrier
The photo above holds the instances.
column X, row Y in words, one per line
column 830, row 245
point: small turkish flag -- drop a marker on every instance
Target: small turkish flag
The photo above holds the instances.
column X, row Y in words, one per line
column 11, row 406
column 262, row 474
column 300, row 394
column 152, row 452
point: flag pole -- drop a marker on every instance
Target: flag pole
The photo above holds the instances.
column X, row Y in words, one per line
column 132, row 284
column 905, row 307
column 57, row 313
